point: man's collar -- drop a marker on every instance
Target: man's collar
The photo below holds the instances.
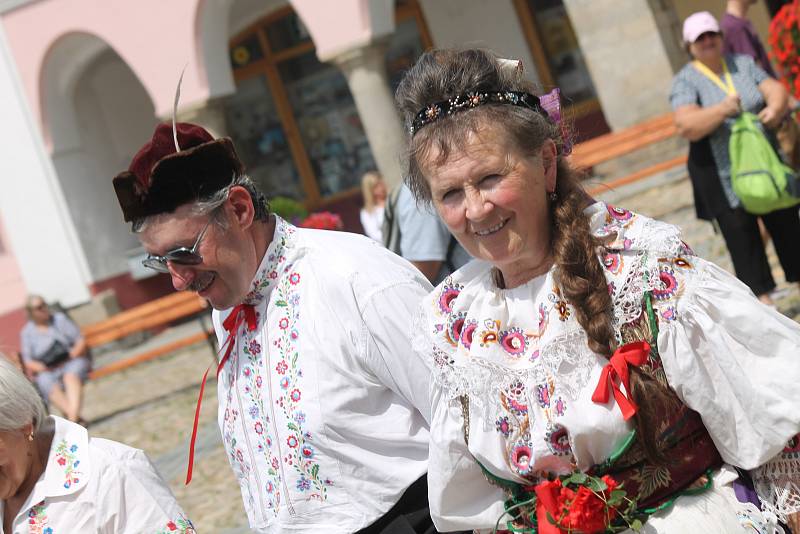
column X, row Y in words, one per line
column 68, row 468
column 268, row 272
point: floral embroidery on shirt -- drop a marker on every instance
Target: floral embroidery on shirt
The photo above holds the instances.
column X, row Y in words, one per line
column 301, row 452
column 613, row 262
column 670, row 273
column 66, row 458
column 269, row 273
column 260, row 420
column 254, row 418
column 37, row 520
column 560, row 304
column 181, row 525
column 447, row 295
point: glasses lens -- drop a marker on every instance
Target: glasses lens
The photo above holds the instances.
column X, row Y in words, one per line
column 156, row 264
column 184, row 256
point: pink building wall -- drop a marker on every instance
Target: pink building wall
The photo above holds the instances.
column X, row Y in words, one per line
column 12, row 296
column 155, row 38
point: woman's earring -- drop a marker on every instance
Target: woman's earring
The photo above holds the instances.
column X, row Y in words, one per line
column 553, row 196
column 30, row 436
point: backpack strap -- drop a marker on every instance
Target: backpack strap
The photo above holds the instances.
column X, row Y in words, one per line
column 448, row 259
column 391, row 226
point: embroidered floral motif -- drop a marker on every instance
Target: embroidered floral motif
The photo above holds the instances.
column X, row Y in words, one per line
column 267, row 276
column 514, row 341
column 455, row 324
column 489, row 335
column 448, row 294
column 300, row 456
column 521, row 458
column 66, row 458
column 619, row 214
column 669, row 286
column 37, row 520
column 557, row 439
column 261, row 419
column 255, row 417
column 560, row 305
column 181, row 525
column 503, row 426
column 467, row 332
column 613, row 262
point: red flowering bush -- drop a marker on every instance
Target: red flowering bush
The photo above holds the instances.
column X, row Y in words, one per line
column 323, row 220
column 784, row 44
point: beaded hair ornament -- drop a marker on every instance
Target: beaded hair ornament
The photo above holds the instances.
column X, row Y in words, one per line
column 548, row 105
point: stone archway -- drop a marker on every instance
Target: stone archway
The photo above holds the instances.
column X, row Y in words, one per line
column 98, row 114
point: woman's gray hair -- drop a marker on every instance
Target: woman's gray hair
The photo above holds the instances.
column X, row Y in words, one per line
column 209, row 204
column 20, row 404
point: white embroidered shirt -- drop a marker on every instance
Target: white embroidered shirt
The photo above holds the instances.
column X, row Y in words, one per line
column 94, row 485
column 323, row 407
column 522, row 359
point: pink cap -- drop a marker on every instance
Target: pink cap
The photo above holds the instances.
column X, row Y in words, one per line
column 697, row 24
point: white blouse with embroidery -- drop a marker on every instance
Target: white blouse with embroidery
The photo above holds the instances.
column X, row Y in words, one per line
column 94, row 485
column 522, row 360
column 323, row 407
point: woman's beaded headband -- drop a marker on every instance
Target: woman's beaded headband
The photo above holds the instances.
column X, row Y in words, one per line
column 548, row 105
column 473, row 99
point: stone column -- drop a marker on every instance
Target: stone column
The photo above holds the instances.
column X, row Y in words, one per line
column 209, row 114
column 365, row 70
column 631, row 53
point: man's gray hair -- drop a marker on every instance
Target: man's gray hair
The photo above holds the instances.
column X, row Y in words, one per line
column 20, row 403
column 209, row 204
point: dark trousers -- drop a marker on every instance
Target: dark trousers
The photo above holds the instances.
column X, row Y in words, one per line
column 740, row 230
column 409, row 516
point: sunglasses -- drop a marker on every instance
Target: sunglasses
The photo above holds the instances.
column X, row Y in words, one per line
column 39, row 307
column 178, row 256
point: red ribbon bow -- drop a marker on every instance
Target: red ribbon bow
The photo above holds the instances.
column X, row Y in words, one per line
column 243, row 313
column 616, row 371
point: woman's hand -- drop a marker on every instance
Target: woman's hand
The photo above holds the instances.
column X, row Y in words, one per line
column 770, row 117
column 78, row 349
column 731, row 106
column 35, row 367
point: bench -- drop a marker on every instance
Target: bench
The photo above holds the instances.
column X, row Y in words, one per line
column 150, row 315
column 620, row 143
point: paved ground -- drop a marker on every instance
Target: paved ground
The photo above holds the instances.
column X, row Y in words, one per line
column 151, row 406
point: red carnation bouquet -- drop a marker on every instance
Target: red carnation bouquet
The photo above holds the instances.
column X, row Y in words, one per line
column 323, row 220
column 579, row 504
column 784, row 43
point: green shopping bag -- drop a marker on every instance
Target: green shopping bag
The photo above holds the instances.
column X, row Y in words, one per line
column 760, row 179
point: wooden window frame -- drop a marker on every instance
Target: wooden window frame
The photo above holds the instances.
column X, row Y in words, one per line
column 268, row 67
column 528, row 21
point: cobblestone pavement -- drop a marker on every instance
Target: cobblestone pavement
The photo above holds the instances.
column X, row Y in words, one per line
column 151, row 406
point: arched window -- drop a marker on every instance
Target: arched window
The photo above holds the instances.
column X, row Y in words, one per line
column 293, row 118
column 559, row 60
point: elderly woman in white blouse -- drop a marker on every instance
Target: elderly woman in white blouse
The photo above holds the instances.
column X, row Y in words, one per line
column 591, row 374
column 54, row 478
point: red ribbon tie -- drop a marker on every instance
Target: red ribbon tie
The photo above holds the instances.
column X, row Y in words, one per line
column 243, row 313
column 616, row 372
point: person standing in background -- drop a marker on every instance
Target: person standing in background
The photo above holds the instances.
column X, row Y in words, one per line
column 373, row 189
column 739, row 36
column 419, row 235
